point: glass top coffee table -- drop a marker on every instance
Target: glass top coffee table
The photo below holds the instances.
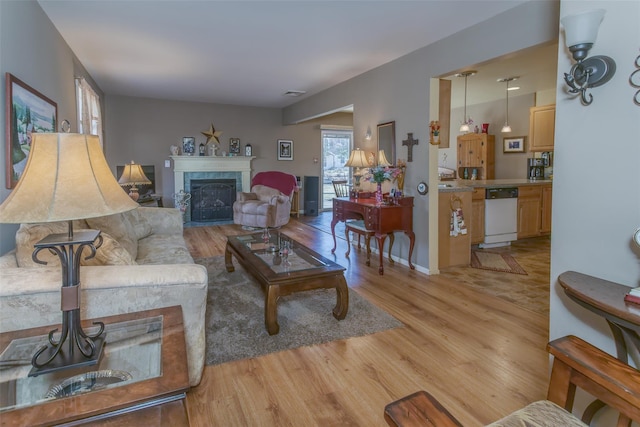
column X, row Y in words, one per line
column 144, row 363
column 283, row 266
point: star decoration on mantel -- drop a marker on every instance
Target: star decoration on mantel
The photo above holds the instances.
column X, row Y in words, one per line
column 212, row 133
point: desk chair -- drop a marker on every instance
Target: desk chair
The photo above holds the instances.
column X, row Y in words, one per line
column 341, row 188
column 576, row 364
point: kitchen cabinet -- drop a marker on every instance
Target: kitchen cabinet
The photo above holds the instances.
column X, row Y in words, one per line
column 529, row 211
column 476, row 151
column 534, row 210
column 542, row 124
column 477, row 215
column 545, row 226
column 453, row 251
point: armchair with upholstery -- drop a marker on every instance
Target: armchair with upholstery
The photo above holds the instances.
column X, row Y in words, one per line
column 269, row 202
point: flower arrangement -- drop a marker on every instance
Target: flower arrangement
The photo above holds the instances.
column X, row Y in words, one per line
column 379, row 174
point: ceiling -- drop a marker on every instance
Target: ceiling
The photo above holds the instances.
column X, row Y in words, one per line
column 251, row 52
column 536, row 69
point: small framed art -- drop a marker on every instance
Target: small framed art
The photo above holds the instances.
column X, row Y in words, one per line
column 513, row 145
column 285, row 149
column 234, row 146
column 188, row 146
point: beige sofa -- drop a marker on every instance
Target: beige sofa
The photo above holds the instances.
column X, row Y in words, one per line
column 143, row 263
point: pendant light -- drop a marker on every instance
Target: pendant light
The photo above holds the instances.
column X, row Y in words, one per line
column 465, row 123
column 507, row 128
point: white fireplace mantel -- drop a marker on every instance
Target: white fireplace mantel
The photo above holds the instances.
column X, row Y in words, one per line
column 184, row 164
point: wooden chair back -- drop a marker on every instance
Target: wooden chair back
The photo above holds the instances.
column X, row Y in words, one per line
column 341, row 188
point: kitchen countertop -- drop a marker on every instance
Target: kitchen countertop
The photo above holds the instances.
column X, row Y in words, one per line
column 461, row 185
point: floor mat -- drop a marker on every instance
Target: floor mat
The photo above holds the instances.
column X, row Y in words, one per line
column 495, row 262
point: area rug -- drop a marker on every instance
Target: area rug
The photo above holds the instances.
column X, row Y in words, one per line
column 235, row 317
column 496, row 262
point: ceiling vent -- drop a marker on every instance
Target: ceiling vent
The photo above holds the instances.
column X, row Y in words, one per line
column 294, row 93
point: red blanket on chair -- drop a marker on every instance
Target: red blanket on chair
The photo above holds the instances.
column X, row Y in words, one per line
column 284, row 182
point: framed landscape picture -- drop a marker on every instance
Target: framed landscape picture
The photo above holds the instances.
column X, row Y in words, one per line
column 513, row 145
column 28, row 112
column 285, row 149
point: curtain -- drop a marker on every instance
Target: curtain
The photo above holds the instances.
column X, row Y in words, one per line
column 89, row 118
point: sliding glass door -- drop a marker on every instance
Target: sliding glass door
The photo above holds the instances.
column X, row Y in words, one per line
column 336, row 146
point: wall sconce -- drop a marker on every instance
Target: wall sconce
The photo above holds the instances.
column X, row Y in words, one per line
column 367, row 135
column 580, row 32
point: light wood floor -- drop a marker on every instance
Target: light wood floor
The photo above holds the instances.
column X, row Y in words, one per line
column 482, row 356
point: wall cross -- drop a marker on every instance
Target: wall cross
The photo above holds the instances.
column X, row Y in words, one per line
column 410, row 142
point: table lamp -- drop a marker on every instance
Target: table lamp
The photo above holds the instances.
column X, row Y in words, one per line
column 357, row 159
column 66, row 178
column 133, row 175
column 382, row 159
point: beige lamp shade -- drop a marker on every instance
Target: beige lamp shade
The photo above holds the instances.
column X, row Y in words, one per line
column 133, row 175
column 382, row 159
column 357, row 159
column 66, row 178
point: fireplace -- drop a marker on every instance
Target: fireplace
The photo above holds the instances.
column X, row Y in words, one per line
column 189, row 169
column 212, row 199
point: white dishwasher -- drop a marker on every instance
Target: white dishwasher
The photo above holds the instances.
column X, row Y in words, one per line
column 500, row 217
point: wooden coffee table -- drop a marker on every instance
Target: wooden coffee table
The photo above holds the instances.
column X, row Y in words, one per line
column 262, row 255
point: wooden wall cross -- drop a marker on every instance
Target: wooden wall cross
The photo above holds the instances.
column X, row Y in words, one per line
column 410, row 142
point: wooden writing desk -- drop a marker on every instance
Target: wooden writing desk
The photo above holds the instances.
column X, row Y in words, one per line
column 382, row 219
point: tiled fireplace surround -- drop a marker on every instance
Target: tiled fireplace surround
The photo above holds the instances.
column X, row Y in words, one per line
column 188, row 168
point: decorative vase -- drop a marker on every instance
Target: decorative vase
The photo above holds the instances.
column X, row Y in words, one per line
column 379, row 194
column 400, row 180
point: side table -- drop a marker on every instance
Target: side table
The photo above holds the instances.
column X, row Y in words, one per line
column 144, row 365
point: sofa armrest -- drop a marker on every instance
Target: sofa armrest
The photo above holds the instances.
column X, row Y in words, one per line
column 30, row 297
column 279, row 199
column 243, row 197
column 163, row 220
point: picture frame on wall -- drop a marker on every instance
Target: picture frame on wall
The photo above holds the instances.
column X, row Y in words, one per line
column 285, row 149
column 188, row 146
column 513, row 145
column 234, row 146
column 28, row 112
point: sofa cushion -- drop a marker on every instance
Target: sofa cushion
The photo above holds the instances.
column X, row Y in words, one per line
column 110, row 253
column 126, row 227
column 141, row 227
column 163, row 249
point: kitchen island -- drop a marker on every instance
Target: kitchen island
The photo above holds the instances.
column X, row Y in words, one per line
column 534, row 213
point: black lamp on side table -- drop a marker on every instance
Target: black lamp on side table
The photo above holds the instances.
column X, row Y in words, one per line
column 66, row 178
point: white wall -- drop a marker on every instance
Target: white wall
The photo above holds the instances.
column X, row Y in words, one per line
column 143, row 129
column 400, row 91
column 594, row 219
column 509, row 165
column 33, row 51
